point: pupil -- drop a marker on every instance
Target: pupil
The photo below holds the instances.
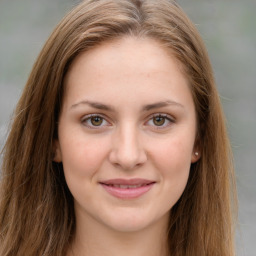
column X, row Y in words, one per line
column 158, row 120
column 97, row 120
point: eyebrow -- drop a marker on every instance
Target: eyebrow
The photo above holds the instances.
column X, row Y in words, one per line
column 96, row 105
column 161, row 104
column 106, row 107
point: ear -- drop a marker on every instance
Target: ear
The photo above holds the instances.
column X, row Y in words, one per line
column 57, row 156
column 196, row 154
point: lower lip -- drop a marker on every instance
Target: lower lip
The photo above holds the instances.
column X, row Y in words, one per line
column 127, row 193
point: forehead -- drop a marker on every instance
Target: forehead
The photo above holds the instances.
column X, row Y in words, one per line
column 127, row 48
column 142, row 65
column 143, row 51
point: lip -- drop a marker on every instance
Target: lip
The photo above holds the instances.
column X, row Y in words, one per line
column 127, row 188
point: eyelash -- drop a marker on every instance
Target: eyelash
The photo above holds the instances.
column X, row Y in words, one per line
column 167, row 118
column 88, row 118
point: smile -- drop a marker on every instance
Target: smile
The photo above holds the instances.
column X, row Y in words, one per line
column 128, row 186
column 127, row 189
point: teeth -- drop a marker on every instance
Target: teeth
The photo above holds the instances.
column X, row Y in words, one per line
column 127, row 186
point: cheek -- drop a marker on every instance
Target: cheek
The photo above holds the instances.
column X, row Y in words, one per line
column 173, row 160
column 82, row 160
column 173, row 152
column 82, row 157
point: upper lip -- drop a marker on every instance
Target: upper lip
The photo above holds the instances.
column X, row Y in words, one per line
column 136, row 181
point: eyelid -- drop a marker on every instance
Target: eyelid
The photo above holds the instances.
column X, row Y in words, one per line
column 168, row 117
column 88, row 116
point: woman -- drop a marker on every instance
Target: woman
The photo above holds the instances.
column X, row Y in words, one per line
column 118, row 145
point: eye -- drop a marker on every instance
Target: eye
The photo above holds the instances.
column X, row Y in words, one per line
column 95, row 121
column 160, row 121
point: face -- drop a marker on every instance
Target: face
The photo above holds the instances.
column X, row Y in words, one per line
column 126, row 134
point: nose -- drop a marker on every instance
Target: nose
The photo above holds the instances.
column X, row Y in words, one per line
column 127, row 151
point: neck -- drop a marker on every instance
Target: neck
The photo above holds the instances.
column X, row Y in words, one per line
column 93, row 239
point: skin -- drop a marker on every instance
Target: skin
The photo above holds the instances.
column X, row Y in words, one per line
column 133, row 138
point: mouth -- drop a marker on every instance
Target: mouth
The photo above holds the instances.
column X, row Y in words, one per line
column 127, row 186
column 127, row 189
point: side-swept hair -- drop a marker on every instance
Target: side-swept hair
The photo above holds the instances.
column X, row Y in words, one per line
column 36, row 207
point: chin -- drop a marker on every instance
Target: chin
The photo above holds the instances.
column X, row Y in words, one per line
column 128, row 226
column 132, row 222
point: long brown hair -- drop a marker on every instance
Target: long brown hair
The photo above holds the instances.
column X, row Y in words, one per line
column 36, row 207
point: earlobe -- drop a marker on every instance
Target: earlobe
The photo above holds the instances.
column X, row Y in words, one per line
column 57, row 152
column 195, row 156
column 196, row 153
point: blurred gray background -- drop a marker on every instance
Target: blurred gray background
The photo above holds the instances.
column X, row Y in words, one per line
column 229, row 31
